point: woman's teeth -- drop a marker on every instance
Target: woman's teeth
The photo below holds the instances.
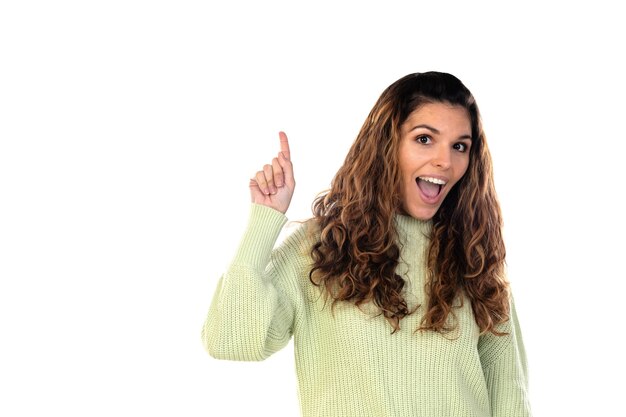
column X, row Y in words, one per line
column 433, row 180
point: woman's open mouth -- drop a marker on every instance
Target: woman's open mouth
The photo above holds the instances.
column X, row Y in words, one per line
column 430, row 188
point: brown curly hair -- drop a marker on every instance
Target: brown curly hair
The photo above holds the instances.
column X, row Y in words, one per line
column 357, row 254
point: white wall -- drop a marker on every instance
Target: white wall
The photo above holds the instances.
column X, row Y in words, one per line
column 129, row 130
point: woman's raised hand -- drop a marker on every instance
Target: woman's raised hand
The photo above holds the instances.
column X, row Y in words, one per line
column 274, row 185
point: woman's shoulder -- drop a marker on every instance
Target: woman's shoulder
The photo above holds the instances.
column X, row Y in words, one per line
column 300, row 239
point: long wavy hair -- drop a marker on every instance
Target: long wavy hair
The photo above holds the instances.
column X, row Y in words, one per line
column 357, row 254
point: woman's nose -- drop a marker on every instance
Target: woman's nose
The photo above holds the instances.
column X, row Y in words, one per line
column 441, row 159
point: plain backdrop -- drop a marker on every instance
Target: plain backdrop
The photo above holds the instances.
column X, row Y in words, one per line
column 129, row 130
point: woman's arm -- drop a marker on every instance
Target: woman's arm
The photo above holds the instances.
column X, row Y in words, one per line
column 504, row 365
column 252, row 312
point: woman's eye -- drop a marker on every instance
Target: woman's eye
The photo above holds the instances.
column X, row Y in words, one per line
column 461, row 147
column 423, row 139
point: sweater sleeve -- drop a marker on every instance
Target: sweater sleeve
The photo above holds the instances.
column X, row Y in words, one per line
column 503, row 360
column 252, row 313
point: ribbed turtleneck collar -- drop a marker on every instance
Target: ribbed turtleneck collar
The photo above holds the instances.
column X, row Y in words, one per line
column 413, row 234
column 408, row 226
column 413, row 242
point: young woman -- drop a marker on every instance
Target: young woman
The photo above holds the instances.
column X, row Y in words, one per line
column 395, row 291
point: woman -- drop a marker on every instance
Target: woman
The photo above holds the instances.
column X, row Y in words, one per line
column 394, row 291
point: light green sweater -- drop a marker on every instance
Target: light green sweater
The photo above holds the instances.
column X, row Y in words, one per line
column 349, row 364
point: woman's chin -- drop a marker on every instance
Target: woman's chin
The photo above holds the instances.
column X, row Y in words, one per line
column 420, row 213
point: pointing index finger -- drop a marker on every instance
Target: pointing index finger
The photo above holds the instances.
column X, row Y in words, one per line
column 284, row 145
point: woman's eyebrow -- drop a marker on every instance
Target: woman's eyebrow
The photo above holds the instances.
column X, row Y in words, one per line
column 432, row 129
column 426, row 127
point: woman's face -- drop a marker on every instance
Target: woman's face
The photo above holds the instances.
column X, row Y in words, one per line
column 434, row 154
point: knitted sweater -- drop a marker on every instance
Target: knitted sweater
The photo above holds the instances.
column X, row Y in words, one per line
column 348, row 363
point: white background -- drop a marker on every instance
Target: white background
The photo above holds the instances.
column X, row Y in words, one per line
column 129, row 130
